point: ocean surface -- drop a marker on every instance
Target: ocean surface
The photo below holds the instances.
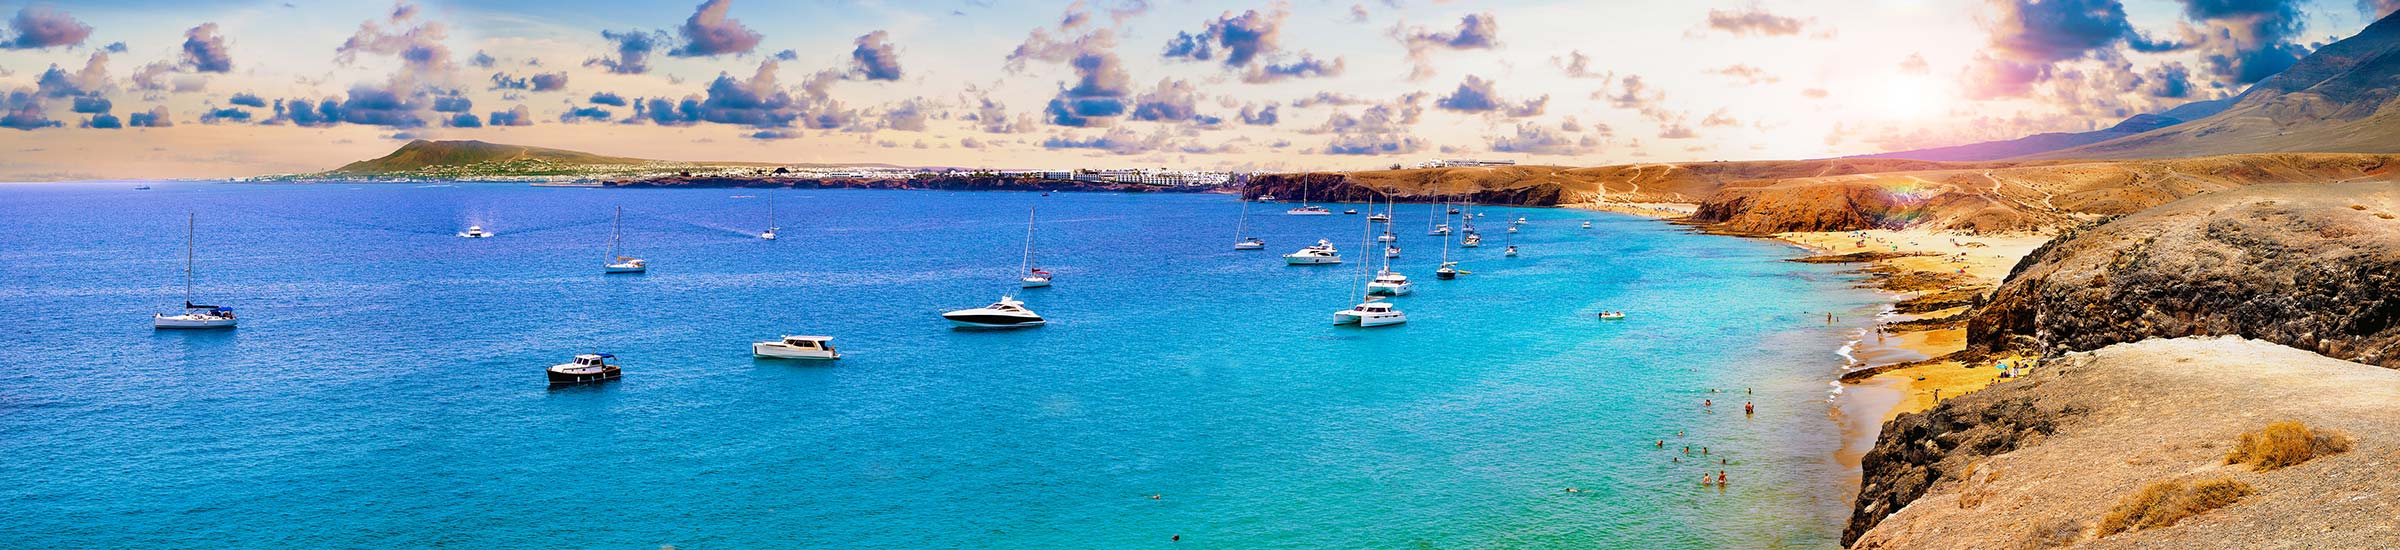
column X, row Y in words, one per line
column 386, row 386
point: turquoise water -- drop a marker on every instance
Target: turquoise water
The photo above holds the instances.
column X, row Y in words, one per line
column 385, row 388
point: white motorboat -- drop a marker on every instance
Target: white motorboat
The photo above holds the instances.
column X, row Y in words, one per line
column 1587, row 225
column 1511, row 252
column 1006, row 313
column 1512, row 229
column 1266, row 198
column 585, row 369
column 1350, row 212
column 1371, row 313
column 1472, row 240
column 475, row 232
column 620, row 263
column 796, row 347
column 1441, row 230
column 1309, row 211
column 1389, row 284
column 770, row 234
column 1379, row 218
column 1612, row 316
column 1391, row 252
column 1321, row 253
column 1252, row 243
column 194, row 316
column 1386, row 237
column 1035, row 276
column 1520, row 221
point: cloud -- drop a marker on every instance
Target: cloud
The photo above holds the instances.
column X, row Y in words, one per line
column 24, row 112
column 1382, row 129
column 381, row 107
column 585, row 114
column 464, row 120
column 153, row 77
column 1171, row 100
column 607, row 98
column 633, row 51
column 39, row 26
column 1676, row 131
column 1634, row 94
column 156, row 117
column 1533, row 138
column 1578, row 65
column 1358, row 13
column 419, row 47
column 2049, row 31
column 103, row 121
column 1307, row 66
column 710, row 33
column 482, row 60
column 204, row 50
column 223, row 116
column 1242, row 38
column 1101, row 87
column 875, row 58
column 1993, row 78
column 115, row 47
column 1748, row 75
column 92, row 79
column 1815, row 93
column 758, row 102
column 1754, row 21
column 1256, row 115
column 2248, row 40
column 1476, row 95
column 909, row 115
column 514, row 116
column 1123, row 141
column 1719, row 119
column 2378, row 8
column 992, row 116
column 2171, row 80
column 452, row 103
column 1476, row 31
column 1326, row 98
column 247, row 100
column 550, row 81
column 92, row 105
column 1915, row 64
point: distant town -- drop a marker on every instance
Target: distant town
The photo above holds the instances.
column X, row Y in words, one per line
column 540, row 171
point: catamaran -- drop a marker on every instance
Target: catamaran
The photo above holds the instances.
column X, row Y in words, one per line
column 194, row 316
column 620, row 263
column 1035, row 276
column 770, row 234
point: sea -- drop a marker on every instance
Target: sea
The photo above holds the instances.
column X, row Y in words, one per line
column 385, row 388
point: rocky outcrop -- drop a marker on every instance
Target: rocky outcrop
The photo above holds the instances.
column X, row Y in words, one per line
column 2036, row 462
column 945, row 183
column 2315, row 267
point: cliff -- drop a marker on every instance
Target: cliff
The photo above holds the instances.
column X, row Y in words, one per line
column 945, row 183
column 2315, row 267
column 1684, row 182
column 423, row 154
column 2039, row 461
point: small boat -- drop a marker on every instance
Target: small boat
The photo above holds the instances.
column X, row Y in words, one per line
column 1441, row 230
column 1472, row 240
column 1512, row 229
column 1266, row 198
column 1371, row 313
column 796, row 347
column 1350, row 212
column 475, row 232
column 621, row 263
column 1520, row 221
column 1587, row 225
column 1379, row 218
column 1242, row 225
column 1448, row 271
column 1453, row 210
column 194, row 316
column 1612, row 316
column 1321, row 253
column 1006, row 313
column 1309, row 211
column 1386, row 237
column 142, row 188
column 587, row 368
column 1511, row 252
column 1252, row 243
column 770, row 234
column 1035, row 276
column 1391, row 252
column 1389, row 284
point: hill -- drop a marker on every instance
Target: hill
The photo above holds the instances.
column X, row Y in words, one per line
column 2038, row 143
column 2338, row 99
column 421, row 155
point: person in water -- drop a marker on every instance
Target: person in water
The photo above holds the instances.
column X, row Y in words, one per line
column 1720, row 477
column 1748, row 408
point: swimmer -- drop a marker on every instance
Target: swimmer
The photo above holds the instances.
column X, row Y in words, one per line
column 1154, row 497
column 1708, row 402
column 1662, row 443
column 1703, row 451
column 1720, row 477
column 1748, row 408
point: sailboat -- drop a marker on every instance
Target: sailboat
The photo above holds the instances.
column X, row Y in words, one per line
column 1035, row 276
column 1449, row 269
column 1371, row 310
column 194, row 316
column 618, row 262
column 1306, row 209
column 1243, row 226
column 770, row 234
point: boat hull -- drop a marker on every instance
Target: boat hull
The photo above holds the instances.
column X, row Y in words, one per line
column 990, row 321
column 1311, row 260
column 772, row 350
column 626, row 270
column 1249, row 246
column 1369, row 321
column 580, row 376
column 1390, row 290
column 186, row 322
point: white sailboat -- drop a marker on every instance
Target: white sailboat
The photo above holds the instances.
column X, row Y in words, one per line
column 1306, row 209
column 194, row 316
column 618, row 263
column 1371, row 310
column 770, row 234
column 1035, row 276
column 1242, row 226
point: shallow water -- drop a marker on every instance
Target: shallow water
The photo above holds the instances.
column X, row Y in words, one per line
column 385, row 388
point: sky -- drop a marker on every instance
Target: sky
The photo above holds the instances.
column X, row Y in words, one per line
column 105, row 89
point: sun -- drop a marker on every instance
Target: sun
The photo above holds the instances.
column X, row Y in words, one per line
column 1911, row 97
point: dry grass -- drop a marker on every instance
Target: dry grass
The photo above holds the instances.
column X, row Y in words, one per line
column 2285, row 444
column 2165, row 502
column 2054, row 532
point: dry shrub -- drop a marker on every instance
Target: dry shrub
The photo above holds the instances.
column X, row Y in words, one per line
column 2383, row 215
column 2053, row 532
column 2165, row 502
column 2285, row 444
column 2358, row 207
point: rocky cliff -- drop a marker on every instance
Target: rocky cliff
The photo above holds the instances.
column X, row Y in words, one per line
column 945, row 183
column 2037, row 462
column 2315, row 267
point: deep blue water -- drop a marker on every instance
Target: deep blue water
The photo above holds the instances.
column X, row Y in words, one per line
column 385, row 388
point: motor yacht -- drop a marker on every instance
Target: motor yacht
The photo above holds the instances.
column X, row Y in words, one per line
column 1006, row 313
column 1321, row 253
column 1372, row 313
column 1389, row 284
column 1386, row 237
column 1512, row 229
column 475, row 232
column 796, row 347
column 1266, row 198
column 587, row 368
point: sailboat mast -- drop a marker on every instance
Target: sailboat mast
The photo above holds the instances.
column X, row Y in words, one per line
column 1242, row 225
column 1031, row 214
column 191, row 225
column 616, row 226
column 770, row 210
